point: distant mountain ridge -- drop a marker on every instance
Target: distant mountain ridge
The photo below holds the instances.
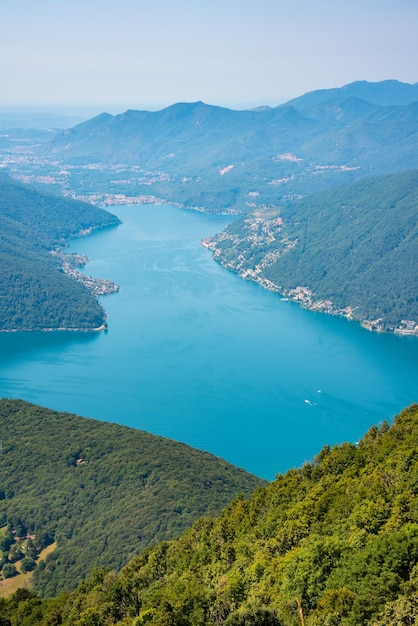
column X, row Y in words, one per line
column 383, row 93
column 311, row 143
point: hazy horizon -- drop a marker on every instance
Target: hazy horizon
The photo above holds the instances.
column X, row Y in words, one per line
column 119, row 54
column 61, row 108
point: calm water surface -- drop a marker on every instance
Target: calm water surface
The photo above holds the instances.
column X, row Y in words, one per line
column 195, row 353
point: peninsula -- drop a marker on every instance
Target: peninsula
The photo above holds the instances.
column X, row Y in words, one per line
column 41, row 288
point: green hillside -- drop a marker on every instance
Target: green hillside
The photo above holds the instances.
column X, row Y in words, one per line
column 334, row 543
column 103, row 492
column 35, row 292
column 219, row 159
column 350, row 251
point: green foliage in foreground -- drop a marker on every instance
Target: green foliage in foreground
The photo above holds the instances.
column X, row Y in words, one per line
column 35, row 294
column 334, row 543
column 102, row 491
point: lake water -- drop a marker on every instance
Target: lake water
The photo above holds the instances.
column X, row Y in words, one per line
column 195, row 353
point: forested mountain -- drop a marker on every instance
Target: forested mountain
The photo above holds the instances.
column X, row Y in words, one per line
column 36, row 294
column 225, row 160
column 350, row 251
column 102, row 491
column 383, row 93
column 334, row 543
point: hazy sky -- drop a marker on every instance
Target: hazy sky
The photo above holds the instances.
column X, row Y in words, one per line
column 152, row 53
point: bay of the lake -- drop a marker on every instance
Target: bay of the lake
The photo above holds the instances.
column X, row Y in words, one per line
column 195, row 353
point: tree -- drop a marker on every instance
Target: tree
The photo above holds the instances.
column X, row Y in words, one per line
column 90, row 617
column 6, row 541
column 15, row 554
column 256, row 617
column 27, row 565
column 9, row 570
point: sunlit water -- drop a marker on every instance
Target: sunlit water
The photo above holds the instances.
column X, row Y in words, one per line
column 195, row 353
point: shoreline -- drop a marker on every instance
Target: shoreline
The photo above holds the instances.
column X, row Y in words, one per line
column 97, row 329
column 305, row 297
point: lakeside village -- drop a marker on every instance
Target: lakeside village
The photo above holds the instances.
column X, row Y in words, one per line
column 262, row 226
column 20, row 162
column 71, row 261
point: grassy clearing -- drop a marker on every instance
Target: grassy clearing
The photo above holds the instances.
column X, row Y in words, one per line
column 10, row 585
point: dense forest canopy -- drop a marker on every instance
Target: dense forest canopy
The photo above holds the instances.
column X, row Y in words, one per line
column 333, row 543
column 102, row 491
column 36, row 294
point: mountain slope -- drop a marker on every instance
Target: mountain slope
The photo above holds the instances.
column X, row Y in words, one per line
column 101, row 491
column 350, row 251
column 35, row 292
column 224, row 160
column 382, row 93
column 333, row 543
column 173, row 137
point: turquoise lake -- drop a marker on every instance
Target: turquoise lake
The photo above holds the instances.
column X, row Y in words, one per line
column 197, row 354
